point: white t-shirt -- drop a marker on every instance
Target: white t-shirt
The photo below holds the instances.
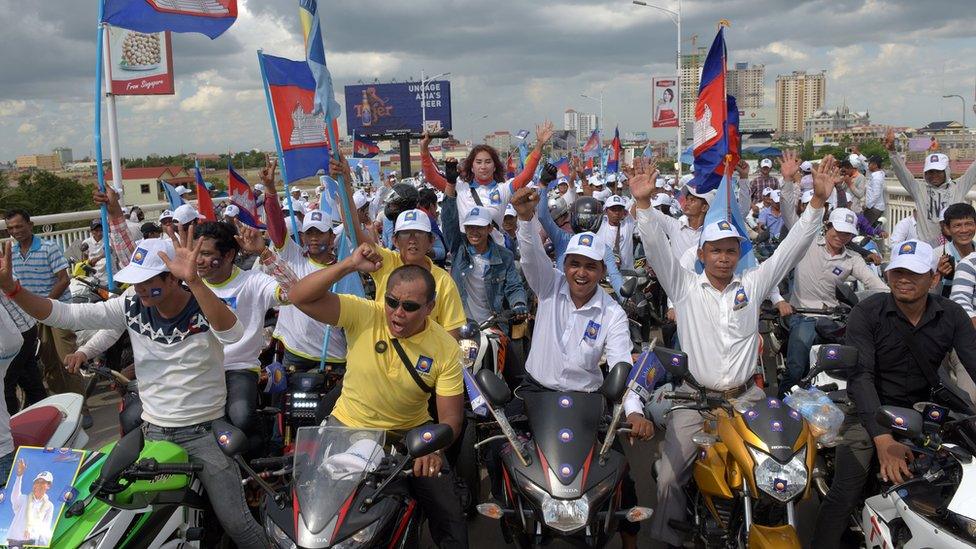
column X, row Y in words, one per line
column 608, row 233
column 249, row 294
column 301, row 334
column 494, row 196
column 178, row 360
column 476, row 296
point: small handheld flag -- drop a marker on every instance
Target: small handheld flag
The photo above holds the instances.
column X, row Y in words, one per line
column 173, row 197
column 204, row 202
column 591, row 149
column 325, row 102
column 613, row 160
column 242, row 196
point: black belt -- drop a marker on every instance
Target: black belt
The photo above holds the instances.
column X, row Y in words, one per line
column 733, row 392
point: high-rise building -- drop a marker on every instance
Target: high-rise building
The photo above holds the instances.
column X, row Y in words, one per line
column 570, row 120
column 798, row 96
column 64, row 153
column 690, row 78
column 745, row 83
column 581, row 123
column 49, row 162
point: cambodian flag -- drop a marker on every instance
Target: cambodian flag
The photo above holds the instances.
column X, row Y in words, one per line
column 613, row 161
column 510, row 169
column 562, row 165
column 362, row 147
column 591, row 148
column 308, row 12
column 304, row 146
column 711, row 135
column 204, row 202
column 242, row 196
column 209, row 17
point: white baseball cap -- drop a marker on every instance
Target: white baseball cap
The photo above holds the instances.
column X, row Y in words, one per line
column 660, row 199
column 936, row 161
column 596, row 181
column 165, row 214
column 304, row 195
column 478, row 217
column 765, row 163
column 709, row 196
column 295, row 190
column 614, row 200
column 612, row 178
column 587, row 245
column 232, row 211
column 806, row 166
column 806, row 197
column 510, row 211
column 719, row 230
column 145, row 262
column 914, row 255
column 259, row 187
column 185, row 213
column 359, row 199
column 843, row 220
column 775, row 196
column 317, row 219
column 181, row 190
column 767, row 191
column 45, row 475
column 563, row 180
column 412, row 220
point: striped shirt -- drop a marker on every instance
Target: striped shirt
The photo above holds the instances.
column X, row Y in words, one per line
column 37, row 271
column 964, row 285
column 23, row 321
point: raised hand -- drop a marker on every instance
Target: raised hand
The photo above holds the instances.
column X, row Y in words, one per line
column 21, row 466
column 365, row 259
column 268, row 174
column 7, row 283
column 543, row 133
column 110, row 199
column 743, row 168
column 184, row 264
column 250, row 239
column 451, row 170
column 642, row 183
column 525, row 201
column 549, row 174
column 889, row 139
column 789, row 164
column 339, row 167
column 425, row 142
column 824, row 176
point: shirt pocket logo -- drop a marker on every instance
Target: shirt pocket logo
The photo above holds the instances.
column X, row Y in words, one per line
column 424, row 364
column 837, row 271
column 740, row 300
column 591, row 331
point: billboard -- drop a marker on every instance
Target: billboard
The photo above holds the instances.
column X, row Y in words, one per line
column 563, row 142
column 140, row 64
column 753, row 120
column 664, row 94
column 373, row 109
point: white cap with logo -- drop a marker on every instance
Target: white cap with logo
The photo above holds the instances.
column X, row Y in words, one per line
column 806, row 197
column 843, row 220
column 806, row 166
column 707, row 196
column 259, row 187
column 775, row 196
column 412, row 220
column 614, row 200
column 45, row 476
column 719, row 230
column 510, row 211
column 360, row 198
column 765, row 163
column 232, row 211
column 914, row 255
column 587, row 245
column 145, row 262
column 477, row 217
column 185, row 213
column 936, row 161
column 165, row 214
column 317, row 219
column 181, row 190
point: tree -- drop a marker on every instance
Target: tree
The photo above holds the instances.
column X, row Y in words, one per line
column 42, row 193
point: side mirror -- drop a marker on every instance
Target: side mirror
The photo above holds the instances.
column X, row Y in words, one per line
column 904, row 421
column 832, row 358
column 125, row 453
column 495, row 390
column 470, row 331
column 231, row 440
column 428, row 439
column 675, row 362
column 846, row 295
column 629, row 287
column 615, row 384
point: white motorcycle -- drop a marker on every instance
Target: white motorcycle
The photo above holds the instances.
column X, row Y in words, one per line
column 937, row 506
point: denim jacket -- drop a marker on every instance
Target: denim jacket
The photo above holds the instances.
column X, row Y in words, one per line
column 502, row 281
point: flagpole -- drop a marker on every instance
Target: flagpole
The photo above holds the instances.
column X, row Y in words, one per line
column 281, row 155
column 97, row 137
column 725, row 122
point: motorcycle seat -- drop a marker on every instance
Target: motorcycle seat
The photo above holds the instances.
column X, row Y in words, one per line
column 35, row 427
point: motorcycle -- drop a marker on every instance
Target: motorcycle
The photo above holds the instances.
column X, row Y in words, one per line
column 562, row 482
column 751, row 458
column 935, row 507
column 635, row 291
column 344, row 490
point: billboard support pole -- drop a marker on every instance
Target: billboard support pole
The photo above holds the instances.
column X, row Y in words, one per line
column 405, row 167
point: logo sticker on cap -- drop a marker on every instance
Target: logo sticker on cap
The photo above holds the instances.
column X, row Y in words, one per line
column 592, row 329
column 907, row 248
column 934, row 158
column 424, row 364
column 316, row 216
column 586, row 240
column 410, row 216
column 837, row 271
column 850, row 218
column 724, row 226
column 473, row 212
column 741, row 299
column 139, row 256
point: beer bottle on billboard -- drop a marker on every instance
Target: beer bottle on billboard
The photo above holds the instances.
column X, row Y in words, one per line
column 365, row 113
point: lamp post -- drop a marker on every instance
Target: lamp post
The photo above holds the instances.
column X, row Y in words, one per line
column 675, row 17
column 963, row 99
column 599, row 122
column 472, row 120
column 423, row 96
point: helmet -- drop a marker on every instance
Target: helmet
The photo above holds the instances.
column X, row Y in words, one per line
column 557, row 208
column 402, row 197
column 587, row 215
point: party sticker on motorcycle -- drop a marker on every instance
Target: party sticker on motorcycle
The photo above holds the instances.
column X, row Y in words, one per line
column 566, row 435
column 565, row 470
column 772, row 403
column 776, row 426
column 565, row 402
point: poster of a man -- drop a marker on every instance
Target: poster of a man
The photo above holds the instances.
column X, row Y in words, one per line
column 33, row 520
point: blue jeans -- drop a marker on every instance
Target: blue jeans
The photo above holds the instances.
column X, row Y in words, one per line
column 221, row 480
column 803, row 334
column 6, row 462
column 242, row 398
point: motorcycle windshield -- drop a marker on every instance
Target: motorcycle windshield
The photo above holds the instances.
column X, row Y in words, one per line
column 564, row 427
column 330, row 463
column 776, row 425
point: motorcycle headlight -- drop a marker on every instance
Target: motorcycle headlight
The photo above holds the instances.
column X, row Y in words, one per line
column 278, row 536
column 781, row 481
column 565, row 515
column 93, row 542
column 358, row 539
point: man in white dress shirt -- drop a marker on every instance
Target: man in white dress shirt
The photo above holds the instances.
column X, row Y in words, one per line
column 718, row 315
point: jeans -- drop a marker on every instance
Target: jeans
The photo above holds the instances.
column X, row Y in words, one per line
column 221, row 480
column 6, row 462
column 55, row 345
column 803, row 333
column 852, row 463
column 242, row 398
column 23, row 372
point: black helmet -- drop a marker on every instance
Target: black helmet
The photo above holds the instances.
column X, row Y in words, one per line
column 587, row 214
column 402, row 197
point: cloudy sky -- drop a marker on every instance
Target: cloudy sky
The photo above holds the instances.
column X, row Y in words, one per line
column 518, row 62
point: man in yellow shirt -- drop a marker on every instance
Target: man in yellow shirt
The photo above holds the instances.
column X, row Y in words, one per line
column 397, row 357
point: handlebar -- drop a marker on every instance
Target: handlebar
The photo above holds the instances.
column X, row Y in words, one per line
column 698, row 398
column 276, row 462
column 106, row 373
column 148, row 469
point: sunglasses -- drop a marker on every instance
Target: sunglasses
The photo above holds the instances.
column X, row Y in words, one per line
column 408, row 306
